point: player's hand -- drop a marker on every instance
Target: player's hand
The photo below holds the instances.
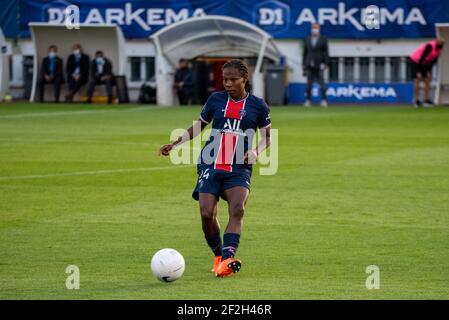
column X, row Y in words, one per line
column 165, row 149
column 250, row 157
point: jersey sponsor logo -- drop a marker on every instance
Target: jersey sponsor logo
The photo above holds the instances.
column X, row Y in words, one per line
column 233, row 125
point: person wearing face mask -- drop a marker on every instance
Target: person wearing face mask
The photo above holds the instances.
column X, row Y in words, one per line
column 101, row 74
column 315, row 60
column 51, row 73
column 77, row 70
column 423, row 58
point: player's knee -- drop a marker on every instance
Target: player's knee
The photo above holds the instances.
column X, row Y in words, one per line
column 207, row 212
column 237, row 210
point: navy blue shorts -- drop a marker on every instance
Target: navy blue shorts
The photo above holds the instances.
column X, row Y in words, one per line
column 216, row 181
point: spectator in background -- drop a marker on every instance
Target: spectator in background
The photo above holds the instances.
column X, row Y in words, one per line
column 51, row 73
column 101, row 74
column 211, row 82
column 77, row 71
column 315, row 60
column 423, row 58
column 184, row 82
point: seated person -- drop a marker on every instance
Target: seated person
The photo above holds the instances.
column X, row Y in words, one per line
column 77, row 71
column 51, row 72
column 101, row 73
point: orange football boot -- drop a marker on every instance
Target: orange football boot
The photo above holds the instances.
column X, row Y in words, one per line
column 217, row 262
column 228, row 267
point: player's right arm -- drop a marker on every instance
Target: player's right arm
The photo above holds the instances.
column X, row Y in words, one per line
column 188, row 135
column 205, row 118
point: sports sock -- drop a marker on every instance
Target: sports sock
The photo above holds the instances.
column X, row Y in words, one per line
column 230, row 244
column 214, row 242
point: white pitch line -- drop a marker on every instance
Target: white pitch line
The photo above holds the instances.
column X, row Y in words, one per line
column 98, row 172
column 14, row 141
column 80, row 112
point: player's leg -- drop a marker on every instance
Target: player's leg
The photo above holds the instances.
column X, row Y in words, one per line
column 237, row 198
column 211, row 227
column 208, row 209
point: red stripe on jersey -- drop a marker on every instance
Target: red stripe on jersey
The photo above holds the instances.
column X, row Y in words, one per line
column 233, row 108
column 225, row 156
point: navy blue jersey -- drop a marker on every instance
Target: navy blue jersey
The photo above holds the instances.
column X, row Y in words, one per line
column 234, row 124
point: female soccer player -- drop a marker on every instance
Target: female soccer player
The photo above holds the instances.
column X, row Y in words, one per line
column 225, row 162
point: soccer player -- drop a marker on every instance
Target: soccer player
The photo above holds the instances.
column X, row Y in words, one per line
column 225, row 162
column 423, row 58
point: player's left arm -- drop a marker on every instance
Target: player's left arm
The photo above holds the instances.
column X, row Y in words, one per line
column 251, row 156
column 264, row 125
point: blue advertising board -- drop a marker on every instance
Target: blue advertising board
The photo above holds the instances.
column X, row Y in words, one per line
column 282, row 19
column 9, row 11
column 399, row 93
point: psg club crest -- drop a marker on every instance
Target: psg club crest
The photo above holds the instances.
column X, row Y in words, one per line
column 242, row 113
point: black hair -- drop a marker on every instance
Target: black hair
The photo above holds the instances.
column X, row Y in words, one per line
column 52, row 47
column 242, row 68
column 99, row 52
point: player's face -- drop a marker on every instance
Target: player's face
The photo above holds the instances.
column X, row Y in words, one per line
column 234, row 83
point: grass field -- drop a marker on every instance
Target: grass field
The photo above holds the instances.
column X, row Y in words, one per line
column 356, row 186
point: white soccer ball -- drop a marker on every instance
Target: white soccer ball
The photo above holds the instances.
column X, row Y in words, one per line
column 167, row 265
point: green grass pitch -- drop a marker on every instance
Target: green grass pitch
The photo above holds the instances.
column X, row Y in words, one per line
column 356, row 186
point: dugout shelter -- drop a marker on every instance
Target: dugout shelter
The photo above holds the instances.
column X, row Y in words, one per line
column 107, row 38
column 209, row 35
